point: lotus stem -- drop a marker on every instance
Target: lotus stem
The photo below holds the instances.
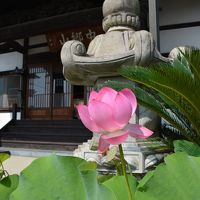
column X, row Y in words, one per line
column 123, row 162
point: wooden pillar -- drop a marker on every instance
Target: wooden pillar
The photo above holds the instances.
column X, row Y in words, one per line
column 154, row 21
column 24, row 79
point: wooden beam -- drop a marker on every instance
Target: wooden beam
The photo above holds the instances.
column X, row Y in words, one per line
column 11, row 46
column 69, row 20
column 24, row 80
column 154, row 21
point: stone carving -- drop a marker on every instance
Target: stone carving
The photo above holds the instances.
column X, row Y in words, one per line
column 122, row 44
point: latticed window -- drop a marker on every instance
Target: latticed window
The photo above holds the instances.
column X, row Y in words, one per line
column 10, row 91
column 39, row 87
column 48, row 90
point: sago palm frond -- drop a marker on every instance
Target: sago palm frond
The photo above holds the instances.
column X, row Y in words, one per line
column 177, row 84
column 169, row 76
column 155, row 79
column 170, row 134
column 192, row 55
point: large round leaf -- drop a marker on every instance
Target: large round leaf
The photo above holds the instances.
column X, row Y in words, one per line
column 7, row 185
column 118, row 185
column 187, row 147
column 178, row 178
column 61, row 178
column 4, row 156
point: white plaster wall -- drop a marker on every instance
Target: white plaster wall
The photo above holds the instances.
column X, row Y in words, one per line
column 179, row 11
column 9, row 61
column 38, row 50
column 18, row 115
column 179, row 37
column 6, row 117
column 176, row 12
column 39, row 39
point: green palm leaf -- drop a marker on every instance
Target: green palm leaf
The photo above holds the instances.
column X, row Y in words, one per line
column 192, row 55
column 169, row 77
column 176, row 90
column 169, row 81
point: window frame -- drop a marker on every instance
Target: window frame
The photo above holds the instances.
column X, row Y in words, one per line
column 6, row 89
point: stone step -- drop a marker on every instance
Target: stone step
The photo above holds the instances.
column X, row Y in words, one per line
column 43, row 145
column 27, row 152
column 45, row 134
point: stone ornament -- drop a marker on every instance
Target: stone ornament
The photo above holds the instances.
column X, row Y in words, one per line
column 121, row 45
column 121, row 13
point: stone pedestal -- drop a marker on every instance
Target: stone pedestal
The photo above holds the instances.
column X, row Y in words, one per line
column 139, row 154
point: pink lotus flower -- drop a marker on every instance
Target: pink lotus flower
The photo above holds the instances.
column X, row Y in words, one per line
column 108, row 113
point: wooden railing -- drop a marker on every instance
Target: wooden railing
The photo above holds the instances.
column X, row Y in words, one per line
column 39, row 101
column 62, row 100
column 45, row 100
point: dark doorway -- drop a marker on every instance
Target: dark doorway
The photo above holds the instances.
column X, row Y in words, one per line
column 49, row 95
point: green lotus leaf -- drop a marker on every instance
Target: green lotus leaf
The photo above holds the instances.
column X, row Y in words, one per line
column 178, row 178
column 4, row 156
column 62, row 178
column 187, row 147
column 7, row 186
column 118, row 185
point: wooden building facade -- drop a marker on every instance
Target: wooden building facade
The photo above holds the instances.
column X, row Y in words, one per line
column 33, row 32
column 30, row 66
column 36, row 32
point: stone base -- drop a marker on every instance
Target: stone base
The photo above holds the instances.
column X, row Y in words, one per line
column 139, row 154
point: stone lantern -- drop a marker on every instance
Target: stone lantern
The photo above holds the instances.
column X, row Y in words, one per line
column 121, row 44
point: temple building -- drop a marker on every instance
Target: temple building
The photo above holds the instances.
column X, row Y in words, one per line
column 37, row 104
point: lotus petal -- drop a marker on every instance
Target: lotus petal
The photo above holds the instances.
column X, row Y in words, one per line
column 138, row 131
column 103, row 145
column 122, row 110
column 115, row 138
column 93, row 95
column 101, row 113
column 85, row 118
column 132, row 98
column 107, row 95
